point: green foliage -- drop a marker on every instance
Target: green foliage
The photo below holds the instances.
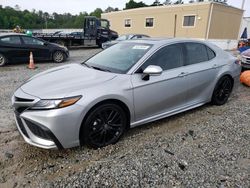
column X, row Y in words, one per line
column 11, row 17
column 178, row 2
column 97, row 13
column 132, row 4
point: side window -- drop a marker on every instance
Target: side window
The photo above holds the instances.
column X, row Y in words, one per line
column 127, row 23
column 32, row 41
column 168, row 57
column 188, row 21
column 195, row 53
column 210, row 53
column 11, row 40
column 149, row 22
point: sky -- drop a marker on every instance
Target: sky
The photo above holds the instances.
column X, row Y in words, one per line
column 77, row 6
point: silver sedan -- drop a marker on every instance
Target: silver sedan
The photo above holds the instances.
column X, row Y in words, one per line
column 126, row 85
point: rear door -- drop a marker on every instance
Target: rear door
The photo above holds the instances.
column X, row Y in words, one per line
column 12, row 48
column 164, row 93
column 39, row 49
column 201, row 68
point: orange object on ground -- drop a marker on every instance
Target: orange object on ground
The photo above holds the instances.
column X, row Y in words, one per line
column 245, row 78
column 31, row 63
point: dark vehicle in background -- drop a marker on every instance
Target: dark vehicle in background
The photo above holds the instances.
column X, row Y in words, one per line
column 17, row 47
column 95, row 32
column 122, row 38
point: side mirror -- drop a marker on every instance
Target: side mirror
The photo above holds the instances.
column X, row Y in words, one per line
column 45, row 43
column 151, row 70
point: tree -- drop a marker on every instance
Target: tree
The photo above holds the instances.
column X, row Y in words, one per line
column 97, row 13
column 178, row 2
column 156, row 3
column 132, row 4
column 17, row 8
column 220, row 1
column 167, row 2
column 111, row 9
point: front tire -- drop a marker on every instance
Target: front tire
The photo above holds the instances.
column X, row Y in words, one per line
column 3, row 60
column 104, row 126
column 58, row 56
column 222, row 91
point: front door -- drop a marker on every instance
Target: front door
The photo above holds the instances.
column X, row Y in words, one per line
column 37, row 47
column 164, row 93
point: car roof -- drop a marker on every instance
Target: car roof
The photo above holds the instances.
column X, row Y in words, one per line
column 11, row 34
column 162, row 41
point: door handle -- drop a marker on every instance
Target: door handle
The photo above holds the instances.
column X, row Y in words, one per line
column 183, row 74
column 215, row 66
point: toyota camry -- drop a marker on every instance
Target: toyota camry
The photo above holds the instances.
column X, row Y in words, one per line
column 126, row 85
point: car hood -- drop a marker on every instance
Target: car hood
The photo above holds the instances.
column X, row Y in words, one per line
column 61, row 81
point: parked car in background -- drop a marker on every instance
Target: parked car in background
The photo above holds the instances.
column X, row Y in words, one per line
column 245, row 59
column 17, row 48
column 129, row 84
column 122, row 38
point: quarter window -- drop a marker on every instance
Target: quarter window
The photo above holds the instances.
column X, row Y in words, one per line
column 196, row 53
column 127, row 22
column 149, row 22
column 11, row 40
column 210, row 53
column 168, row 57
column 188, row 20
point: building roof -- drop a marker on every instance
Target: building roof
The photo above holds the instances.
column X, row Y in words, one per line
column 172, row 6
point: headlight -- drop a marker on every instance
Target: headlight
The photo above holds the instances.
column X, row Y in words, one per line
column 55, row 103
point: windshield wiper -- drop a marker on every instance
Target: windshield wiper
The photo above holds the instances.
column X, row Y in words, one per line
column 94, row 67
column 101, row 69
column 86, row 65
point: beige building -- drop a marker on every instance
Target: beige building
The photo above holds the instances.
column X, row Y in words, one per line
column 206, row 20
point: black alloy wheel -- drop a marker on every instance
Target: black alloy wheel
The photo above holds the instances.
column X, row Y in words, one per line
column 104, row 125
column 222, row 91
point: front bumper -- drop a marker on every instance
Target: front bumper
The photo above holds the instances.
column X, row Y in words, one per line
column 48, row 129
column 245, row 62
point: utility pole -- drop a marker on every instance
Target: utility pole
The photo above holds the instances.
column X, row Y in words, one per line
column 243, row 4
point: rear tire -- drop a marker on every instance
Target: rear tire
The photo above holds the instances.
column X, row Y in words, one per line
column 103, row 126
column 3, row 60
column 58, row 56
column 222, row 91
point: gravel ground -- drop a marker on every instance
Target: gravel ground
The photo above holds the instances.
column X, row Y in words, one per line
column 205, row 147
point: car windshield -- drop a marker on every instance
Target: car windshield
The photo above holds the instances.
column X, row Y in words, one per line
column 118, row 58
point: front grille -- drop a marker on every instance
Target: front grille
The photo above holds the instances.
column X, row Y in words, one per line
column 21, row 126
column 39, row 131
